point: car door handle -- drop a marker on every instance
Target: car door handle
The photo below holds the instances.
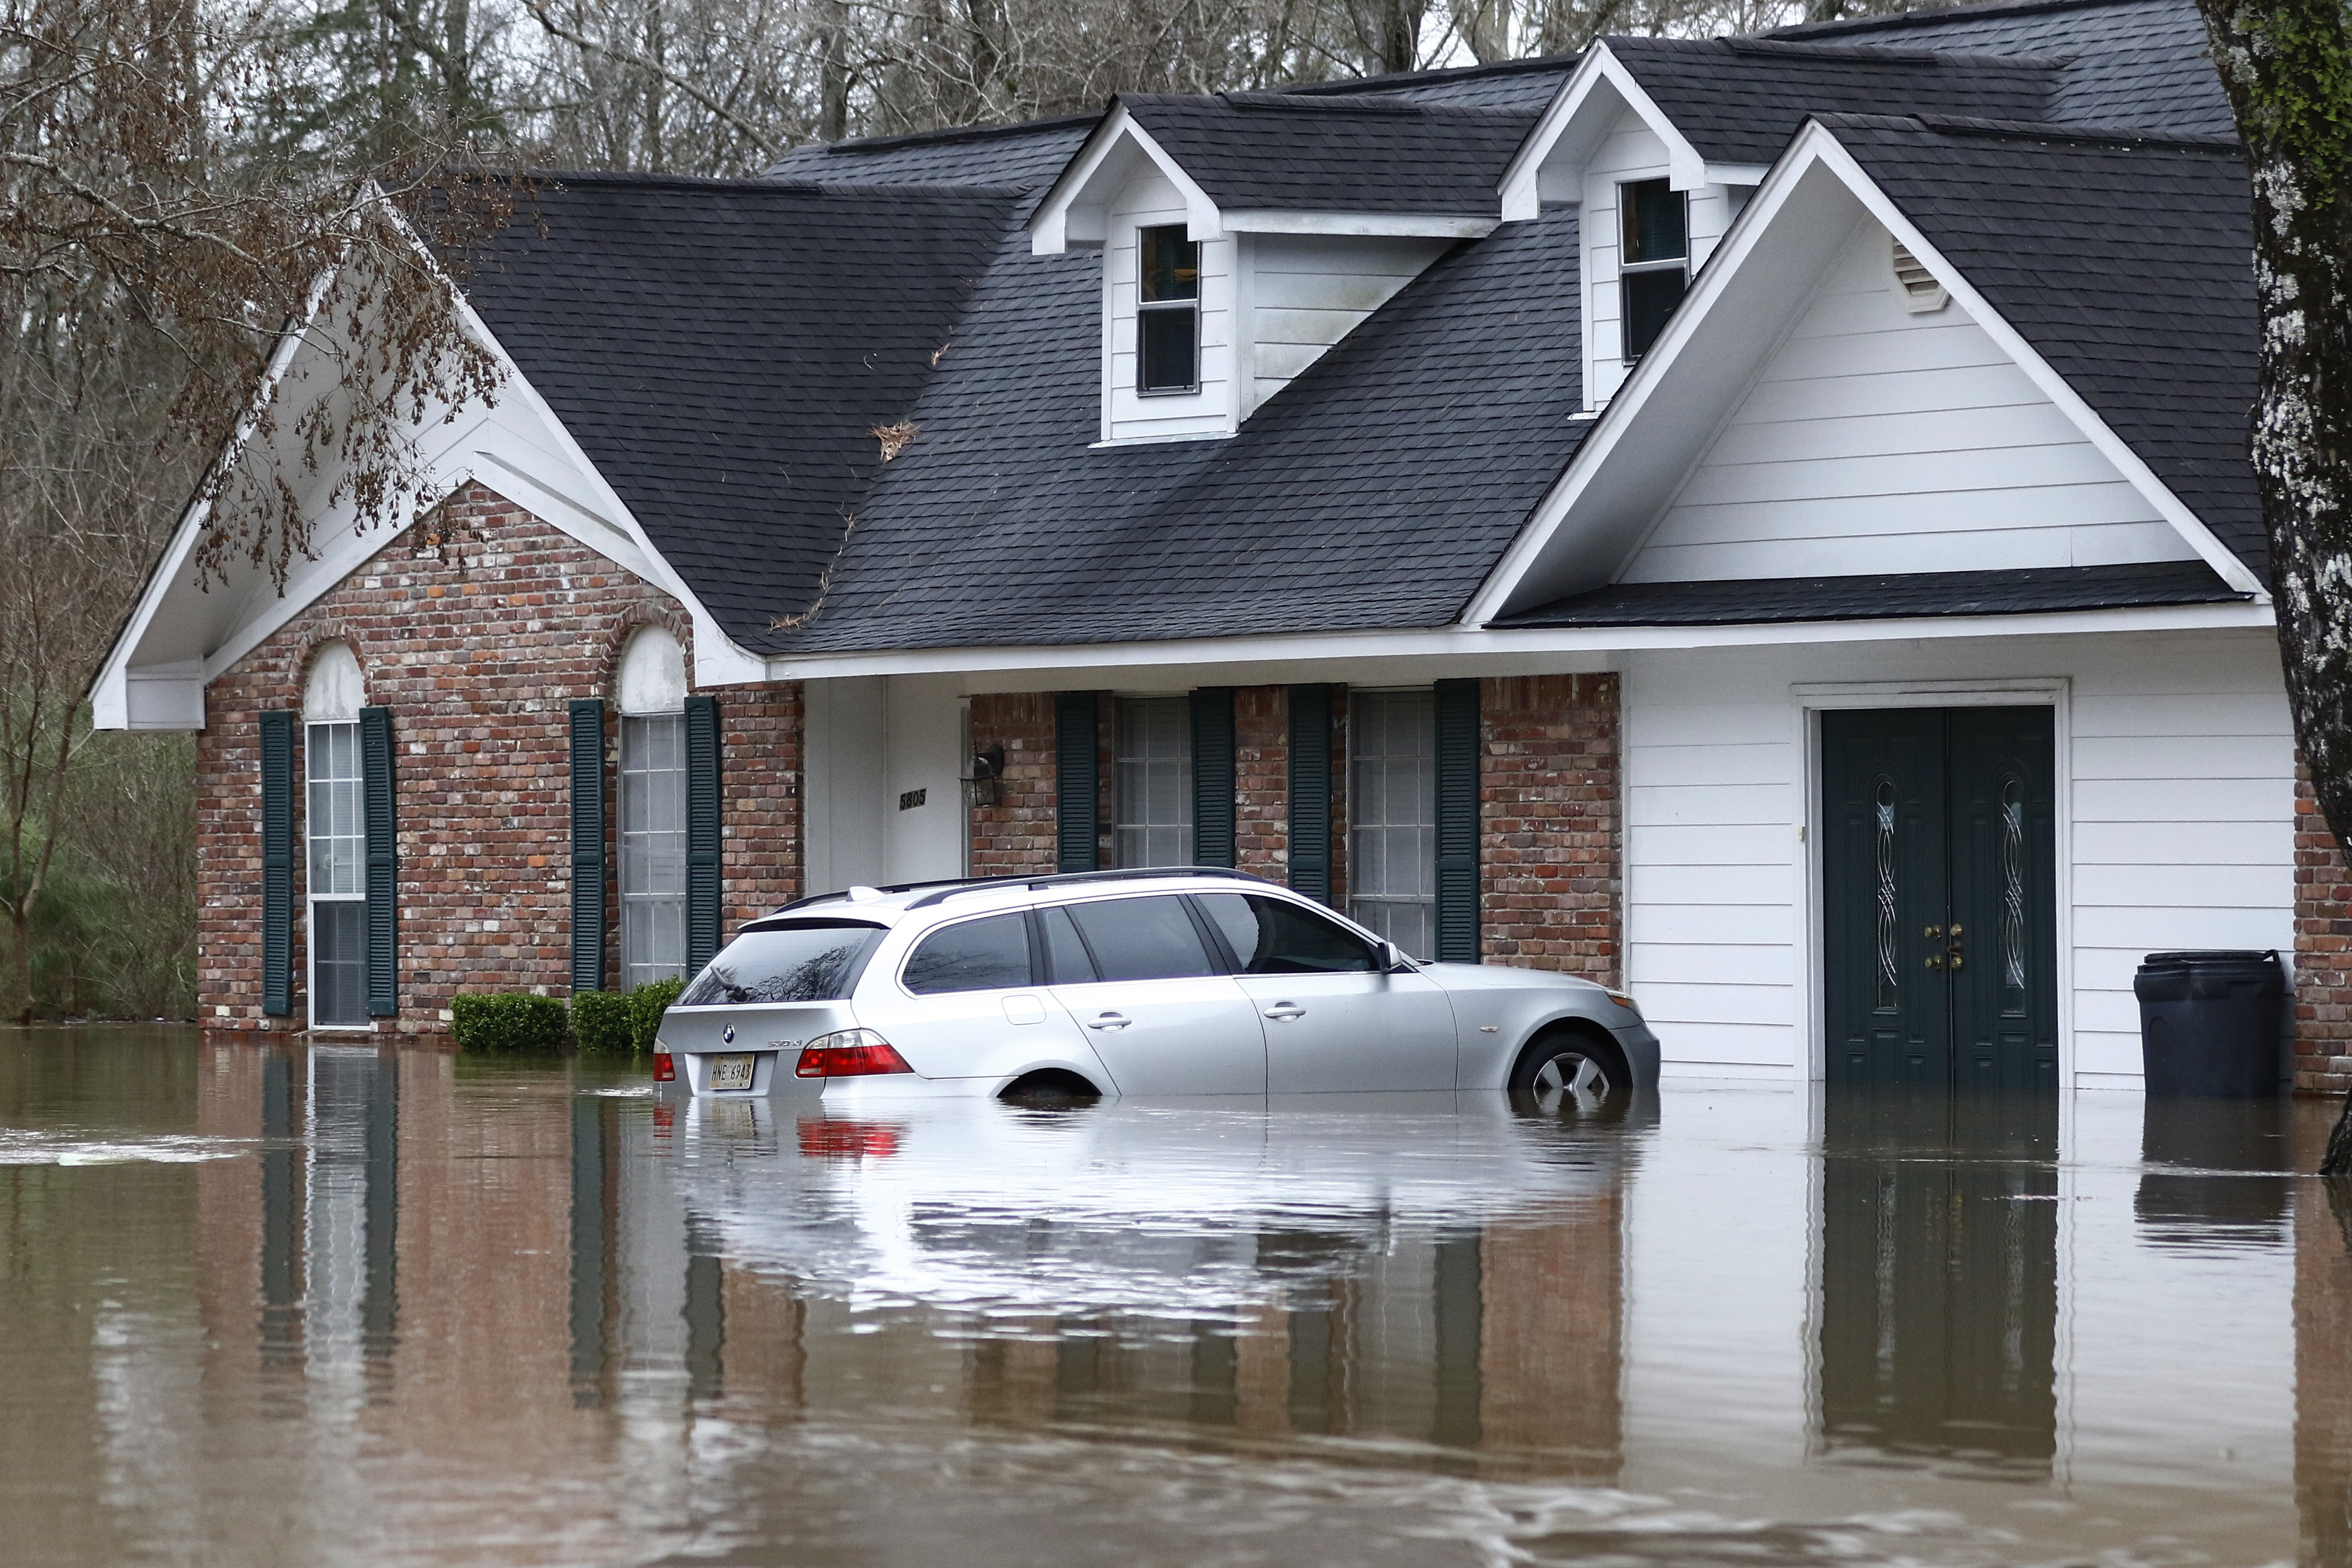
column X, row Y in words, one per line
column 1108, row 1021
column 1285, row 1010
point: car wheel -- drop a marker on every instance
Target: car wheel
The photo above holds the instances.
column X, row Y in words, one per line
column 1570, row 1075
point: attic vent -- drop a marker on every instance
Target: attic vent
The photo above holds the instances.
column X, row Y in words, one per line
column 1915, row 285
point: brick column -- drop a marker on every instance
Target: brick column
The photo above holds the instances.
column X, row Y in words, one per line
column 759, row 786
column 1261, row 781
column 2323, row 950
column 1013, row 820
column 1550, row 873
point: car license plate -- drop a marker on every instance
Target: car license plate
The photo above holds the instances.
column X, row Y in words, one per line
column 733, row 1070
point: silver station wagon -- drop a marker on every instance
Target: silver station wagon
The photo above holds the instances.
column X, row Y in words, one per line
column 1131, row 983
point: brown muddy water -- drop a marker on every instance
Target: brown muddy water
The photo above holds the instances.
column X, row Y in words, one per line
column 325, row 1306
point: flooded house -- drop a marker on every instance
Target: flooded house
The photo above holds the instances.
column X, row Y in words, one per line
column 1763, row 520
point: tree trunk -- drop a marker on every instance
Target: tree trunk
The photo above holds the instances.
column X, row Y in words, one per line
column 2287, row 67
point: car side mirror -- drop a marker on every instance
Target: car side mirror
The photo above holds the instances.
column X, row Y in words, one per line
column 1394, row 962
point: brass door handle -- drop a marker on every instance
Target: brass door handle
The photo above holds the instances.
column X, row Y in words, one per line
column 1954, row 955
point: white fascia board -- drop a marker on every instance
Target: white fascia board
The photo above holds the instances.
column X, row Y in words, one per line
column 1815, row 147
column 2053, row 385
column 1407, row 225
column 1596, row 93
column 1590, row 648
column 1742, row 175
column 1074, row 212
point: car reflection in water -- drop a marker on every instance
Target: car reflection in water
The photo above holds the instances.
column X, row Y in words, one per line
column 1434, row 1269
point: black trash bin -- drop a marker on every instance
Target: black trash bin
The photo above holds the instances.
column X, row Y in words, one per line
column 2208, row 1022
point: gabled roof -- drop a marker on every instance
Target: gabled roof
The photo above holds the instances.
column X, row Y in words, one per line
column 722, row 351
column 1374, row 490
column 1739, row 101
column 1296, row 153
column 2124, row 260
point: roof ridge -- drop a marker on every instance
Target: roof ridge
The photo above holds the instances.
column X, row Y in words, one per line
column 764, row 184
column 1878, row 54
column 1934, row 16
column 960, row 133
column 2039, row 131
column 1278, row 98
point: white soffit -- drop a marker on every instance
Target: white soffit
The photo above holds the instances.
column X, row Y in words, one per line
column 1741, row 305
column 1549, row 165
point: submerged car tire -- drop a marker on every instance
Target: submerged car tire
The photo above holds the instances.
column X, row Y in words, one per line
column 1050, row 1090
column 1571, row 1073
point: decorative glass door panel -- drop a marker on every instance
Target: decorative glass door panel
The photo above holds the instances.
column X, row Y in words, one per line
column 1938, row 881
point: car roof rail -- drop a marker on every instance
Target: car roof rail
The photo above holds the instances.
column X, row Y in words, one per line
column 844, row 894
column 1067, row 879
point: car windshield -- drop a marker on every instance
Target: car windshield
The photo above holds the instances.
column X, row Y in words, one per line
column 810, row 961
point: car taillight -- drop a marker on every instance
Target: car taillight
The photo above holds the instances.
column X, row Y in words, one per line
column 848, row 1053
column 665, row 1071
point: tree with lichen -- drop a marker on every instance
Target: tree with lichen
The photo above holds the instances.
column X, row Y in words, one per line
column 2287, row 68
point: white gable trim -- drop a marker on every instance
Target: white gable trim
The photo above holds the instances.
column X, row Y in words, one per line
column 1587, row 106
column 516, row 447
column 1620, row 424
column 1077, row 211
column 1377, row 226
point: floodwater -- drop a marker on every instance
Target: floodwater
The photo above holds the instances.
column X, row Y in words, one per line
column 320, row 1306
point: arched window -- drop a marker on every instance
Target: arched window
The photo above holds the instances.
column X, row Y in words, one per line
column 653, row 807
column 335, row 825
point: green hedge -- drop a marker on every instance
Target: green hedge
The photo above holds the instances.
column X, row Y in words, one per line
column 647, row 1002
column 604, row 1023
column 618, row 1021
column 510, row 1020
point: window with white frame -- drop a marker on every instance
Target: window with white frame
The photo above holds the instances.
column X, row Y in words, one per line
column 335, row 839
column 1653, row 266
column 1393, row 815
column 1154, row 782
column 1168, row 311
column 653, row 808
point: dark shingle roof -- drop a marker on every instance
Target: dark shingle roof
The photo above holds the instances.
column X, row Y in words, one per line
column 1764, row 601
column 722, row 350
column 1377, row 490
column 2132, row 62
column 1739, row 100
column 2125, row 263
column 1013, row 157
column 1293, row 153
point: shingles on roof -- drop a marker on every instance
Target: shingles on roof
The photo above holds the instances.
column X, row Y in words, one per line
column 1739, row 100
column 2125, row 264
column 1015, row 156
column 723, row 350
column 1753, row 602
column 2133, row 62
column 1293, row 152
column 1376, row 490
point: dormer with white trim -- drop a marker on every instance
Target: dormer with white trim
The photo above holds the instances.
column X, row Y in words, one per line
column 1652, row 208
column 1245, row 234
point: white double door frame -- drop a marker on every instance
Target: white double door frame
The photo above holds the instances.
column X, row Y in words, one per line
column 1808, row 702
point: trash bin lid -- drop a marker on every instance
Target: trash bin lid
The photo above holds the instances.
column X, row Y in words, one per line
column 2215, row 956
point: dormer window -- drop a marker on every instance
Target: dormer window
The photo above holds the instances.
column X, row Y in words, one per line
column 1168, row 311
column 1656, row 268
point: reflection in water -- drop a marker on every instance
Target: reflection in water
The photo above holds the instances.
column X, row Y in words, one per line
column 440, row 1310
column 1939, row 1279
column 2194, row 1194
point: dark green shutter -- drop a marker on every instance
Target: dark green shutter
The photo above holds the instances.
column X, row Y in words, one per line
column 278, row 864
column 1076, row 717
column 382, row 873
column 1458, row 821
column 701, row 831
column 587, row 845
column 1212, row 777
column 1310, row 791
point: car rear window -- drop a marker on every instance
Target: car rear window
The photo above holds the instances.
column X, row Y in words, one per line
column 808, row 961
column 1141, row 939
column 990, row 954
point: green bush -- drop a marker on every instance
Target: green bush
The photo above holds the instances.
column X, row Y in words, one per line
column 647, row 1002
column 603, row 1022
column 512, row 1021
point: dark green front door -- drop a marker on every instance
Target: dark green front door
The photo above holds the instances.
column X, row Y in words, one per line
column 1938, row 881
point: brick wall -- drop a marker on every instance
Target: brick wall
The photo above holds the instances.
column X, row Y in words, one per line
column 477, row 655
column 1262, row 781
column 2323, row 951
column 1012, row 821
column 1548, row 842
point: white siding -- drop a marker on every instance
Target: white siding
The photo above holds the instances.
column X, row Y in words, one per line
column 1632, row 152
column 2177, row 828
column 1308, row 291
column 1213, row 410
column 1877, row 440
